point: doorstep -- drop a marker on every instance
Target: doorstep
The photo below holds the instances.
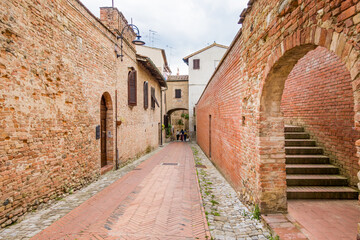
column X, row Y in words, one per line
column 283, row 226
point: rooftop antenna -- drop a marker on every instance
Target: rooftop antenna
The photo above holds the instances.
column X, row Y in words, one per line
column 112, row 3
column 152, row 37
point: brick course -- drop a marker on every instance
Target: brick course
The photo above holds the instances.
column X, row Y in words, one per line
column 243, row 96
column 56, row 62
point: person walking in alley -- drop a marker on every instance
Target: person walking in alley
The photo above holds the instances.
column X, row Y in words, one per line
column 182, row 134
column 177, row 135
column 185, row 135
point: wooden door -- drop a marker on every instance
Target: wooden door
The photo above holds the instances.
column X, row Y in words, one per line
column 209, row 136
column 103, row 113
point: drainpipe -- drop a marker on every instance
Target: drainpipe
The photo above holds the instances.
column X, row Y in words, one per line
column 116, row 135
column 161, row 113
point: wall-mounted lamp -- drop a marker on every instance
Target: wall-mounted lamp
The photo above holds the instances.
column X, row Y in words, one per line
column 136, row 41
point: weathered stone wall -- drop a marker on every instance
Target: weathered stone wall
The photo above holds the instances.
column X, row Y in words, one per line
column 318, row 95
column 244, row 95
column 56, row 62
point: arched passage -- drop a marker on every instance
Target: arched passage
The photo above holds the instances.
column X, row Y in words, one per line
column 271, row 133
column 106, row 128
column 178, row 118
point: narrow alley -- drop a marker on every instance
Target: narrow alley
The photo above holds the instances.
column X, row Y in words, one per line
column 157, row 200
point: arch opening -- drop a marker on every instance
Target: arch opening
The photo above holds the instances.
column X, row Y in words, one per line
column 308, row 86
column 106, row 129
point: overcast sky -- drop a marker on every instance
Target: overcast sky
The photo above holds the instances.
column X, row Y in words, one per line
column 181, row 27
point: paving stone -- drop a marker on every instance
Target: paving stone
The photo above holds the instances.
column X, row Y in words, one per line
column 235, row 220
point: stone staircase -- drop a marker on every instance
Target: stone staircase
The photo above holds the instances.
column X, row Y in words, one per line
column 309, row 174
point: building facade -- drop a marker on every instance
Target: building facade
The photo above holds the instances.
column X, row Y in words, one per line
column 177, row 102
column 202, row 65
column 70, row 109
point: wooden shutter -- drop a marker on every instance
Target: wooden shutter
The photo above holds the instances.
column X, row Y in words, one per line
column 152, row 98
column 177, row 93
column 132, row 99
column 146, row 95
column 196, row 63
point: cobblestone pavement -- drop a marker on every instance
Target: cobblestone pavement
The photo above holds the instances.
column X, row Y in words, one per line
column 227, row 217
column 152, row 201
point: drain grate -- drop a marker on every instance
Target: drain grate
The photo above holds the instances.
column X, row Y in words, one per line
column 200, row 166
column 137, row 169
column 172, row 164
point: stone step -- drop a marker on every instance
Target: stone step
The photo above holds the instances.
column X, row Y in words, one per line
column 307, row 159
column 311, row 169
column 315, row 180
column 300, row 143
column 304, row 150
column 297, row 135
column 290, row 128
column 321, row 192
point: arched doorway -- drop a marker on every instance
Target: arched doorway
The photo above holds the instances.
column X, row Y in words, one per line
column 106, row 129
column 178, row 118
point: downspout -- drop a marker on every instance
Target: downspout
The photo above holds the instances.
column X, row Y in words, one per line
column 116, row 135
column 161, row 113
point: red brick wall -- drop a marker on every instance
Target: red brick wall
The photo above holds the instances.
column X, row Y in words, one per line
column 318, row 95
column 56, row 61
column 249, row 83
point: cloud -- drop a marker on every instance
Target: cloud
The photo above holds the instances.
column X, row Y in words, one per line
column 182, row 27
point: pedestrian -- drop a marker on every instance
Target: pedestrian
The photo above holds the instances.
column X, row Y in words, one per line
column 177, row 135
column 185, row 135
column 182, row 134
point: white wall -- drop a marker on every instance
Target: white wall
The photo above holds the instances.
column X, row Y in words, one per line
column 198, row 78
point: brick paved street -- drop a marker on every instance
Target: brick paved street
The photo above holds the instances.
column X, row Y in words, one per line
column 153, row 201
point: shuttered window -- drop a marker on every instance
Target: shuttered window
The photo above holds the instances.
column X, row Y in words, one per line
column 196, row 63
column 153, row 99
column 146, row 95
column 132, row 88
column 177, row 93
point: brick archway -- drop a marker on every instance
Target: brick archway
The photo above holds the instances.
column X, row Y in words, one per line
column 271, row 125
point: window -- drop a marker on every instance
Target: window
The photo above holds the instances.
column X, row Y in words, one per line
column 153, row 99
column 132, row 99
column 177, row 93
column 146, row 95
column 196, row 64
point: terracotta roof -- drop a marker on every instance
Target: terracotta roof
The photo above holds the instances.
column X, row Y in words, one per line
column 149, row 65
column 186, row 59
column 178, row 78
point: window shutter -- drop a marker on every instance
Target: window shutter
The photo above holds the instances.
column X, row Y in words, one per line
column 196, row 63
column 152, row 98
column 132, row 99
column 177, row 93
column 146, row 95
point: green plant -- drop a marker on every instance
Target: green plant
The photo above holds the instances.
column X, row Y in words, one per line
column 256, row 212
column 180, row 122
column 273, row 238
column 187, row 116
column 213, row 202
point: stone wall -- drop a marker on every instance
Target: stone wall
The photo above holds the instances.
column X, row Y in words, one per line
column 56, row 62
column 318, row 95
column 244, row 95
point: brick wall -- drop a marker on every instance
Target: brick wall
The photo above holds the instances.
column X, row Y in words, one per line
column 56, row 62
column 318, row 95
column 244, row 94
